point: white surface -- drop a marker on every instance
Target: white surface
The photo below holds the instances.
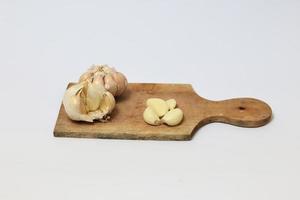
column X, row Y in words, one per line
column 224, row 48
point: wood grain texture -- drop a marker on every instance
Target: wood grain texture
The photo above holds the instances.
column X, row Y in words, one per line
column 127, row 118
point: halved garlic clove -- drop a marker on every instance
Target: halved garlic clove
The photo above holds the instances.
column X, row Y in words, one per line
column 159, row 106
column 173, row 117
column 150, row 117
column 171, row 103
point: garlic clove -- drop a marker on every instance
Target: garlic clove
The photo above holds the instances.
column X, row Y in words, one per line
column 171, row 103
column 121, row 81
column 150, row 117
column 98, row 79
column 107, row 103
column 159, row 106
column 94, row 96
column 173, row 117
column 74, row 103
column 110, row 84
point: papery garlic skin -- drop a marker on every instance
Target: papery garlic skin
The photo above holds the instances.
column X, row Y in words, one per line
column 113, row 81
column 121, row 81
column 87, row 101
column 110, row 84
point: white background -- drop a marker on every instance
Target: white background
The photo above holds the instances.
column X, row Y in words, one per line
column 224, row 48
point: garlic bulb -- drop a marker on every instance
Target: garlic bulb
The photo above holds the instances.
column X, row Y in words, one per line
column 113, row 81
column 88, row 101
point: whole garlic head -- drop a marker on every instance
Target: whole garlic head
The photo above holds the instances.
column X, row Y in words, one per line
column 88, row 101
column 113, row 81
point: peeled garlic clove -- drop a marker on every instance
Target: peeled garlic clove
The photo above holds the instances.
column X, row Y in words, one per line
column 159, row 106
column 150, row 117
column 74, row 104
column 121, row 81
column 173, row 117
column 171, row 103
column 110, row 84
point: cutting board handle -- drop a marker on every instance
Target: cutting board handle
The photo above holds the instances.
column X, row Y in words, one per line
column 243, row 112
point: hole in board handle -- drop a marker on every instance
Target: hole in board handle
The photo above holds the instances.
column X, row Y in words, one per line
column 242, row 108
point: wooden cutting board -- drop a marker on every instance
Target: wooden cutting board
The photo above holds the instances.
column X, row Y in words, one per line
column 127, row 118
